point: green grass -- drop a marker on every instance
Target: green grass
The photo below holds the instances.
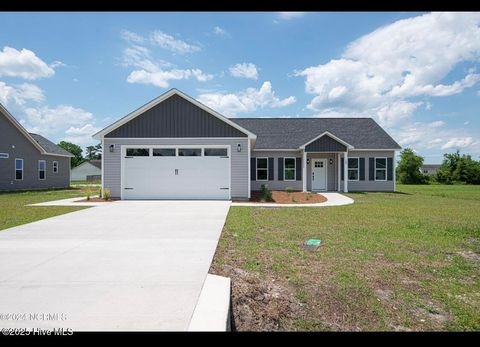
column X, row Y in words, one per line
column 74, row 183
column 391, row 261
column 13, row 211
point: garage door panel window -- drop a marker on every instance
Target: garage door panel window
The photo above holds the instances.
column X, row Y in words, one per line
column 215, row 152
column 289, row 169
column 189, row 152
column 138, row 152
column 353, row 169
column 164, row 152
column 262, row 169
column 380, row 169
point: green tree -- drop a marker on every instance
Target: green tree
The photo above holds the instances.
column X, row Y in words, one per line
column 94, row 152
column 408, row 169
column 459, row 168
column 74, row 149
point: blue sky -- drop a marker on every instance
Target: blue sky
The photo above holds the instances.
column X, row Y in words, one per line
column 67, row 75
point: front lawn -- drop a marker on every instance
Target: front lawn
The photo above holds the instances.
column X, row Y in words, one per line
column 391, row 261
column 13, row 211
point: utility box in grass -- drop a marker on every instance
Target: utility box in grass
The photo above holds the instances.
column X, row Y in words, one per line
column 312, row 244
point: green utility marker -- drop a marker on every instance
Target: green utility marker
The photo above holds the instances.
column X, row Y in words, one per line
column 312, row 244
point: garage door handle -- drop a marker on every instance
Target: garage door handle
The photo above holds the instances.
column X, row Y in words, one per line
column 128, row 188
column 176, row 171
column 128, row 157
column 225, row 188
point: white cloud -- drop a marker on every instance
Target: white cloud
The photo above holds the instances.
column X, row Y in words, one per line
column 406, row 59
column 24, row 64
column 161, row 78
column 458, row 142
column 170, row 43
column 219, row 31
column 437, row 124
column 466, row 123
column 81, row 135
column 290, row 15
column 245, row 101
column 15, row 96
column 131, row 36
column 244, row 70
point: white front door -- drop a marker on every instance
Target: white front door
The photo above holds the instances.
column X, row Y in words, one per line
column 319, row 174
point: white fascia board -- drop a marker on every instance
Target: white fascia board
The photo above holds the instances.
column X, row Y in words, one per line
column 326, row 133
column 156, row 101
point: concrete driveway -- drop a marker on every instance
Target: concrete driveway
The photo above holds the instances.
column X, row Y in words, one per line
column 127, row 265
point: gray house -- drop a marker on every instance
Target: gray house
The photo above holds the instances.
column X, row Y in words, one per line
column 175, row 147
column 29, row 161
column 430, row 169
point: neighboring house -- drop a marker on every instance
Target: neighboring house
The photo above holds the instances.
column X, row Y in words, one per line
column 87, row 168
column 175, row 147
column 29, row 161
column 430, row 169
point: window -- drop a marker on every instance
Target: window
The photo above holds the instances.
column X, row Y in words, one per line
column 289, row 169
column 425, row 171
column 4, row 155
column 215, row 152
column 41, row 169
column 138, row 152
column 19, row 169
column 318, row 163
column 380, row 169
column 353, row 169
column 164, row 152
column 262, row 169
column 55, row 167
column 189, row 152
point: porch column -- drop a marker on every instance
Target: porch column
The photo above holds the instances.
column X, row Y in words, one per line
column 345, row 172
column 304, row 171
column 339, row 171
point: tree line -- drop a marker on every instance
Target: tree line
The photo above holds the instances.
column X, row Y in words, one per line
column 91, row 153
column 455, row 168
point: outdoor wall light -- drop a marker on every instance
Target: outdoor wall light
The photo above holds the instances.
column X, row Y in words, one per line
column 331, row 161
column 239, row 147
column 112, row 147
column 308, row 161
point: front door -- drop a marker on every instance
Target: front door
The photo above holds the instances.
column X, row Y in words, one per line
column 319, row 174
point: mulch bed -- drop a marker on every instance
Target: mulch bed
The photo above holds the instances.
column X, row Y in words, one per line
column 282, row 197
column 94, row 200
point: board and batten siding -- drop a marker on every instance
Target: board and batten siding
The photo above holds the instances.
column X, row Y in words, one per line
column 367, row 185
column 238, row 162
column 332, row 173
column 276, row 184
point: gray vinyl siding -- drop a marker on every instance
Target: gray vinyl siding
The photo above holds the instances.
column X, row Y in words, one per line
column 367, row 185
column 238, row 161
column 10, row 136
column 275, row 184
column 175, row 117
column 325, row 144
column 81, row 172
column 332, row 173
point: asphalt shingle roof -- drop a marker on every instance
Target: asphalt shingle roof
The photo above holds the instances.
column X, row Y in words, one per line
column 291, row 133
column 97, row 163
column 48, row 145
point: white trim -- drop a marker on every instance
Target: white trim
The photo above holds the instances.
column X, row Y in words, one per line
column 339, row 171
column 312, row 164
column 373, row 150
column 375, row 168
column 249, row 155
column 277, row 150
column 103, row 166
column 304, row 171
column 294, row 169
column 4, row 155
column 175, row 138
column 44, row 170
column 358, row 169
column 256, row 169
column 158, row 100
column 394, row 172
column 349, row 146
column 345, row 172
column 53, row 167
column 15, row 169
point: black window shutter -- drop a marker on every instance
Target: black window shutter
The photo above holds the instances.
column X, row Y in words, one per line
column 280, row 169
column 298, row 167
column 270, row 169
column 253, row 169
column 389, row 169
column 342, row 167
column 371, row 169
column 361, row 168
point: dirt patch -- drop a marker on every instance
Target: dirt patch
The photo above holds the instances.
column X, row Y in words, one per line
column 260, row 304
column 94, row 200
column 282, row 197
column 469, row 255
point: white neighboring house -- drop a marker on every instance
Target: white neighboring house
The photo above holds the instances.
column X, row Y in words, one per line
column 88, row 168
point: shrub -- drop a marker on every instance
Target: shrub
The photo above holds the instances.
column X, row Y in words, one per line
column 408, row 170
column 88, row 196
column 265, row 193
column 289, row 190
column 100, row 192
column 107, row 194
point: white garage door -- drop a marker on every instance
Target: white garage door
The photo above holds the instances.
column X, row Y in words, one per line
column 193, row 172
